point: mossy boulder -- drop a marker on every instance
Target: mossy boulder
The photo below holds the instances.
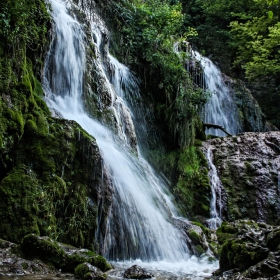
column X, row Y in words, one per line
column 225, row 232
column 86, row 271
column 60, row 255
column 241, row 254
column 51, row 185
column 250, row 248
column 45, row 249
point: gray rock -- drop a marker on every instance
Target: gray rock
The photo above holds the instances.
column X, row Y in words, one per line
column 137, row 272
column 249, row 167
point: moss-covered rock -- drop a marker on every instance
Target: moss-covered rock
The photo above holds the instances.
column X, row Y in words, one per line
column 237, row 253
column 250, row 248
column 86, row 271
column 273, row 239
column 52, row 185
column 59, row 255
column 45, row 249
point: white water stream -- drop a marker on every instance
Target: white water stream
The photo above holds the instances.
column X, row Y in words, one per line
column 216, row 190
column 139, row 225
column 220, row 108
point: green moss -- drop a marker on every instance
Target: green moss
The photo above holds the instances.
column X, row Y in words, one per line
column 30, row 127
column 44, row 248
column 204, row 229
column 225, row 232
column 81, row 270
column 101, row 263
column 194, row 236
column 199, row 250
column 237, row 253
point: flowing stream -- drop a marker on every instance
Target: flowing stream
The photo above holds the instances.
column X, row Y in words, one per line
column 140, row 228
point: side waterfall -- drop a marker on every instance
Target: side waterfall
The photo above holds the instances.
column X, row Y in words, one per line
column 216, row 191
column 220, row 108
column 140, row 222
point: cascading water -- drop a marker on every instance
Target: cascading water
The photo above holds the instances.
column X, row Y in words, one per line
column 220, row 108
column 216, row 190
column 139, row 224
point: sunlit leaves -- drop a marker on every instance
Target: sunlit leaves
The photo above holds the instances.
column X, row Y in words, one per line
column 270, row 14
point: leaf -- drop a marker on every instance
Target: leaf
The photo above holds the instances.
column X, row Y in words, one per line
column 270, row 14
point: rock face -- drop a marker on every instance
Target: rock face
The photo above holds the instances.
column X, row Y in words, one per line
column 250, row 250
column 61, row 256
column 53, row 183
column 252, row 119
column 249, row 167
column 12, row 264
column 137, row 272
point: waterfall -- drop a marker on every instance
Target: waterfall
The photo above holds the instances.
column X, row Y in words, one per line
column 216, row 191
column 221, row 108
column 140, row 221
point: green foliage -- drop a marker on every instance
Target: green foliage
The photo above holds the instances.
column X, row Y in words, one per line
column 151, row 36
column 243, row 37
column 258, row 46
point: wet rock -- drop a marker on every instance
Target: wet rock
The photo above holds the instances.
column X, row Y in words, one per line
column 86, row 271
column 250, row 114
column 60, row 256
column 194, row 236
column 11, row 263
column 247, row 251
column 137, row 272
column 241, row 254
column 273, row 239
column 248, row 165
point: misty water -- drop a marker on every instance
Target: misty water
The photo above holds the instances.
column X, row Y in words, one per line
column 140, row 229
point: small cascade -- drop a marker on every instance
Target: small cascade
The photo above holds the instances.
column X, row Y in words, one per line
column 221, row 108
column 216, row 204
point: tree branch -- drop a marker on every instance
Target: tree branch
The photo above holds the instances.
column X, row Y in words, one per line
column 216, row 126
